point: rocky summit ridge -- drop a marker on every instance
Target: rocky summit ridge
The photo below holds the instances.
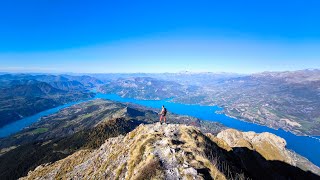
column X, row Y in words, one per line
column 173, row 151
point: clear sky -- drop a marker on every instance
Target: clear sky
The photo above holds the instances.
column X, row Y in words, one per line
column 241, row 36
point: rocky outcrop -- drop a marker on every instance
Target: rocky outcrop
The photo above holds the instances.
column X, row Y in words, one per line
column 270, row 146
column 178, row 152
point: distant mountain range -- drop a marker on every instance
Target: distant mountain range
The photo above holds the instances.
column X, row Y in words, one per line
column 64, row 82
column 145, row 88
column 287, row 100
column 23, row 95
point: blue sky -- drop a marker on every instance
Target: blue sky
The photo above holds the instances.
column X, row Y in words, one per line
column 159, row 36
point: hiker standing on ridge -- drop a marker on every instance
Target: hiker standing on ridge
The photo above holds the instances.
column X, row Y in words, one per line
column 163, row 114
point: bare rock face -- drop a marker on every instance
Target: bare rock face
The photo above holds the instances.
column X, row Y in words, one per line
column 270, row 146
column 174, row 151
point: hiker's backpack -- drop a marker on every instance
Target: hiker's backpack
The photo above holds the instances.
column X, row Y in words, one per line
column 165, row 111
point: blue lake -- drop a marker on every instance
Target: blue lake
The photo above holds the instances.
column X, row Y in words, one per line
column 25, row 122
column 308, row 147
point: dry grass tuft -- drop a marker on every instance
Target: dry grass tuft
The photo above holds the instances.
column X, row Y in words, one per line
column 151, row 170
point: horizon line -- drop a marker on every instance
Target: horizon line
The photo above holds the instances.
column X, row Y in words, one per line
column 178, row 72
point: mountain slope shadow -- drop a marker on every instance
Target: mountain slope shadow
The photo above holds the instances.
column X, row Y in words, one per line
column 261, row 168
column 241, row 161
column 21, row 160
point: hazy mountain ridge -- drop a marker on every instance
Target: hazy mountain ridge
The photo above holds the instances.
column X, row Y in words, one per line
column 64, row 82
column 184, row 78
column 288, row 100
column 145, row 88
column 24, row 95
column 31, row 88
column 299, row 76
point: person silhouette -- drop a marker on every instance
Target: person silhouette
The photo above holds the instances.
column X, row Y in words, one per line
column 163, row 114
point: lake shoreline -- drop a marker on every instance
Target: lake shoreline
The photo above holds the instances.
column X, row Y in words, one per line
column 209, row 113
